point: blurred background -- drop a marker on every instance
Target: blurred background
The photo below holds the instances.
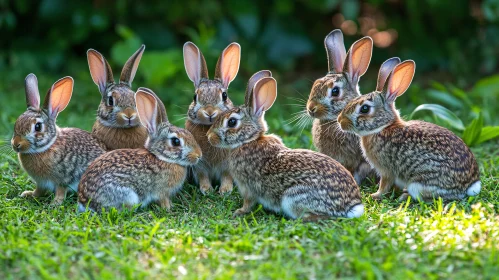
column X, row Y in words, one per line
column 455, row 44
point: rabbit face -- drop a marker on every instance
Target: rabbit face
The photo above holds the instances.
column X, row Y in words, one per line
column 33, row 132
column 175, row 145
column 236, row 127
column 117, row 107
column 246, row 123
column 373, row 112
column 367, row 114
column 330, row 95
column 210, row 100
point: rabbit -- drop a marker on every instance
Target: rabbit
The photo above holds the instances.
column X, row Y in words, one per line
column 210, row 100
column 331, row 93
column 117, row 125
column 55, row 158
column 128, row 177
column 425, row 160
column 297, row 183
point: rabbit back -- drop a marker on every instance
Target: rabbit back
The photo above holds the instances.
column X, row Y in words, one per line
column 129, row 176
column 283, row 179
column 65, row 161
column 427, row 159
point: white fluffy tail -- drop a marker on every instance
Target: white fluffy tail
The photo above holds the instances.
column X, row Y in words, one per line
column 356, row 211
column 474, row 189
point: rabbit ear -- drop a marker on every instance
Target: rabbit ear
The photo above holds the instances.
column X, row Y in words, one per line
column 385, row 70
column 32, row 93
column 147, row 107
column 99, row 70
column 358, row 59
column 264, row 95
column 399, row 80
column 131, row 65
column 251, row 84
column 162, row 117
column 228, row 64
column 194, row 63
column 335, row 49
column 58, row 96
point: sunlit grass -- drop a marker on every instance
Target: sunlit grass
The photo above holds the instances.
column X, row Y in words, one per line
column 200, row 239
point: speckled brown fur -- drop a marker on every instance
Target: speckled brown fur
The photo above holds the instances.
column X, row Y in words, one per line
column 328, row 138
column 210, row 100
column 113, row 138
column 159, row 180
column 267, row 172
column 55, row 158
column 140, row 176
column 297, row 183
column 117, row 125
column 426, row 160
column 65, row 161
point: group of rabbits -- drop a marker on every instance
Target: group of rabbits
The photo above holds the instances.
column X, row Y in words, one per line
column 134, row 155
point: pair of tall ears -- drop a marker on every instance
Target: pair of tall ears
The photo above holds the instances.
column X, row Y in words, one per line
column 151, row 110
column 57, row 97
column 261, row 92
column 394, row 77
column 101, row 72
column 355, row 62
column 227, row 65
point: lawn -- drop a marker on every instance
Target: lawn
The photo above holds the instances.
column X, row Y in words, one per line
column 199, row 238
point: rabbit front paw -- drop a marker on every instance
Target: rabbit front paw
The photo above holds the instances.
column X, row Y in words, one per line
column 225, row 189
column 377, row 196
column 206, row 188
column 240, row 212
column 28, row 194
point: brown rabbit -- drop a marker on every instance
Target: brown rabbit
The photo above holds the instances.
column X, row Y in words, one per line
column 425, row 160
column 210, row 100
column 331, row 93
column 297, row 183
column 117, row 125
column 128, row 177
column 55, row 158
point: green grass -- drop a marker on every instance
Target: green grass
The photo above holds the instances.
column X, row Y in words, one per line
column 200, row 239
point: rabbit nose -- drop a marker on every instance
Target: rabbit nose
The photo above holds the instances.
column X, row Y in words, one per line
column 210, row 115
column 17, row 143
column 17, row 147
column 312, row 110
column 129, row 117
column 129, row 114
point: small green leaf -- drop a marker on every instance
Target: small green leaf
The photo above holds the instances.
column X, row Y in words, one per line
column 472, row 132
column 441, row 112
column 488, row 133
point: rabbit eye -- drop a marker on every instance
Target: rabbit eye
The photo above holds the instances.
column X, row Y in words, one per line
column 232, row 122
column 224, row 96
column 110, row 101
column 364, row 109
column 195, row 97
column 335, row 91
column 175, row 142
column 38, row 127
